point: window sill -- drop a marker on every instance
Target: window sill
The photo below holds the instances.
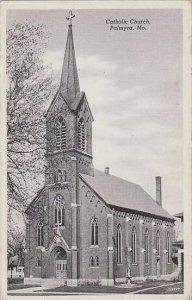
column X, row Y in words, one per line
column 58, row 183
column 94, row 246
column 121, row 264
column 39, row 247
column 134, row 264
column 95, row 267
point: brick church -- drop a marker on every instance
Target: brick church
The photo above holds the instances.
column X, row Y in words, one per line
column 86, row 225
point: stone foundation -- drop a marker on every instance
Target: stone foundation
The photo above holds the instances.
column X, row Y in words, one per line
column 56, row 282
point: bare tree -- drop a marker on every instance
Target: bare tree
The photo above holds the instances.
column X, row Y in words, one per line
column 29, row 87
column 16, row 246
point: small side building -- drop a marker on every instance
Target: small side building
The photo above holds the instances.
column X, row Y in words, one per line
column 178, row 247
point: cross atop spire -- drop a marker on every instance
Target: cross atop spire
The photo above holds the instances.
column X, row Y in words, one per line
column 70, row 17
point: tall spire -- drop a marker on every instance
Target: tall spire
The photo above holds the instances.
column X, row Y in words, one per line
column 69, row 85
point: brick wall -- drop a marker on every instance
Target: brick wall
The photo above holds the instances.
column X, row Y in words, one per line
column 92, row 207
column 89, row 205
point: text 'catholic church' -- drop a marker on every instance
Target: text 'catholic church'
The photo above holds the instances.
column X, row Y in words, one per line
column 86, row 225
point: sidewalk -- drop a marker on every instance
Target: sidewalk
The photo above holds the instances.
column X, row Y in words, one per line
column 155, row 287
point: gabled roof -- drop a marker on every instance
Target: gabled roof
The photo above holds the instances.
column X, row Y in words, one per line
column 34, row 199
column 72, row 107
column 118, row 192
column 82, row 98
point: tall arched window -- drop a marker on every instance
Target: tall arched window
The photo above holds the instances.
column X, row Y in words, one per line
column 40, row 234
column 133, row 245
column 38, row 262
column 81, row 135
column 59, row 176
column 158, row 245
column 60, row 134
column 64, row 175
column 94, row 232
column 168, row 248
column 146, row 246
column 119, row 244
column 59, row 211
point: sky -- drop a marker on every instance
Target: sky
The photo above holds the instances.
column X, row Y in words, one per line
column 133, row 83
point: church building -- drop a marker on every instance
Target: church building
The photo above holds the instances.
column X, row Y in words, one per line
column 85, row 225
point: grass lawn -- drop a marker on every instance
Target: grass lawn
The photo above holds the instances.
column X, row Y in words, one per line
column 19, row 286
column 15, row 280
column 17, row 283
column 119, row 289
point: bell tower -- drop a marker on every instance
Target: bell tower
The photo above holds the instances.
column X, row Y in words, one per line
column 69, row 119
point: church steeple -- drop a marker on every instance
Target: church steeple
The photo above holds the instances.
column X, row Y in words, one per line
column 69, row 85
column 69, row 118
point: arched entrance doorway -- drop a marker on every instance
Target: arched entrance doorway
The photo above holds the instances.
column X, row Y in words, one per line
column 60, row 262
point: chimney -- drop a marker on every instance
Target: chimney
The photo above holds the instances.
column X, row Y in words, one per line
column 107, row 170
column 158, row 190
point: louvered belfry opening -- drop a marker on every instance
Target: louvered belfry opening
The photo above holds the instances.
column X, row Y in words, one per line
column 81, row 135
column 60, row 134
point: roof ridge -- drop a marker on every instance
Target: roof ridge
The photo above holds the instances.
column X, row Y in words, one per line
column 117, row 177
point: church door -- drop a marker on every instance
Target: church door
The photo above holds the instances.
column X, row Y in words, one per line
column 60, row 263
column 61, row 268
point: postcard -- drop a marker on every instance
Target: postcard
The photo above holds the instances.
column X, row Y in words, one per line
column 95, row 126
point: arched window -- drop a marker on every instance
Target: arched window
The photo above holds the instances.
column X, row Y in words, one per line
column 81, row 135
column 168, row 248
column 146, row 246
column 60, row 134
column 60, row 253
column 133, row 245
column 40, row 234
column 119, row 244
column 55, row 177
column 94, row 232
column 91, row 261
column 38, row 262
column 59, row 211
column 64, row 176
column 158, row 245
column 59, row 176
column 97, row 261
